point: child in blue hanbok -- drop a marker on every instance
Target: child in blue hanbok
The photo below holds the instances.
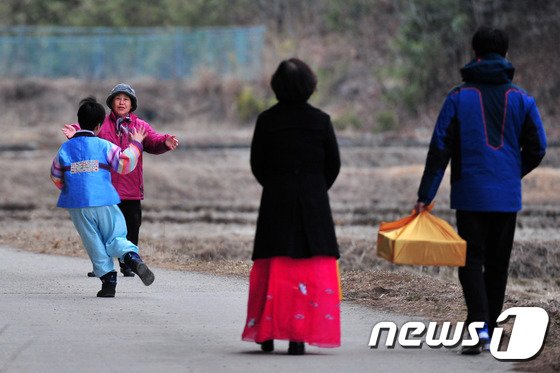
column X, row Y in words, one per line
column 81, row 170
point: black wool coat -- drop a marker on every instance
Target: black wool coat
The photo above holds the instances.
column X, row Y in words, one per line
column 294, row 156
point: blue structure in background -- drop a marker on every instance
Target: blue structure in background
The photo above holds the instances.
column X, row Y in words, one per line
column 125, row 53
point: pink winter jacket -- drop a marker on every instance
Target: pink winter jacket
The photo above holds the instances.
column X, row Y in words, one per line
column 131, row 186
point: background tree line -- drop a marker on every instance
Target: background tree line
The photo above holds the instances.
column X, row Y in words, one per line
column 382, row 64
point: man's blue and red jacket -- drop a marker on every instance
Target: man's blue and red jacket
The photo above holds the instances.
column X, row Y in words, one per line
column 492, row 132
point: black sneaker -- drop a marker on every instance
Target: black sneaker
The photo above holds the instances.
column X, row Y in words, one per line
column 145, row 274
column 108, row 285
column 125, row 270
column 91, row 274
column 135, row 263
column 296, row 348
column 471, row 350
column 482, row 345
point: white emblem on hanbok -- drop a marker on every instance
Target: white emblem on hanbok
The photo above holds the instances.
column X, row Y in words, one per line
column 84, row 166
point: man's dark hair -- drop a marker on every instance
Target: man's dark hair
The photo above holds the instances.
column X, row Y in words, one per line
column 90, row 114
column 490, row 40
column 293, row 81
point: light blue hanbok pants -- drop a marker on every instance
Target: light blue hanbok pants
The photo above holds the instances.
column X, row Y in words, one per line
column 103, row 233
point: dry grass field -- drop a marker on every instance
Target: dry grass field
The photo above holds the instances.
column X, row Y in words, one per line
column 202, row 201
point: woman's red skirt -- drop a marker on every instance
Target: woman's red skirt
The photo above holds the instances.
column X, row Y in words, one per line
column 294, row 299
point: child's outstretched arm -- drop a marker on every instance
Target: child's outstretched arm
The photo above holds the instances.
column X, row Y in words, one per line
column 124, row 161
column 57, row 174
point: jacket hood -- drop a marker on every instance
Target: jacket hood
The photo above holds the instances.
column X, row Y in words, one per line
column 491, row 69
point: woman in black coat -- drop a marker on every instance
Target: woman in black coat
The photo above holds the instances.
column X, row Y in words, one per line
column 294, row 286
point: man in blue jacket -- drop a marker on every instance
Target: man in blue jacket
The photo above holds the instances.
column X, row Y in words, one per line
column 492, row 132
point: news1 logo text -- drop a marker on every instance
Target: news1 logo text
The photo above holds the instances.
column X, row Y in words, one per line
column 525, row 342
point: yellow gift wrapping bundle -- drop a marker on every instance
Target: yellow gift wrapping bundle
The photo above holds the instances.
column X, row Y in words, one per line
column 421, row 239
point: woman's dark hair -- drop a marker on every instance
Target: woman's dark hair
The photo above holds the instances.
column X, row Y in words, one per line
column 293, row 81
column 490, row 40
column 90, row 114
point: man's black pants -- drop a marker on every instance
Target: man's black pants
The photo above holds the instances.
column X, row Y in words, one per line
column 489, row 237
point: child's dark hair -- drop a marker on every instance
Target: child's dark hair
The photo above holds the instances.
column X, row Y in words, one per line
column 293, row 81
column 90, row 114
column 490, row 40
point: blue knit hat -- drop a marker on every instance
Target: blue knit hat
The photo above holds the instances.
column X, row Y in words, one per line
column 126, row 89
